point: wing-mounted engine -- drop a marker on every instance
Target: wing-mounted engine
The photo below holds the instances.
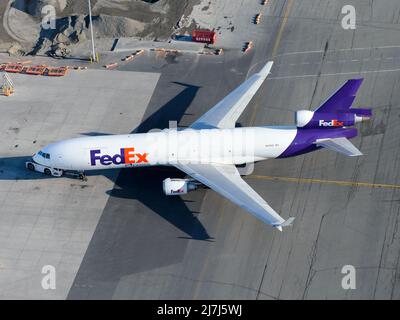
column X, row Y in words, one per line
column 173, row 187
column 312, row 119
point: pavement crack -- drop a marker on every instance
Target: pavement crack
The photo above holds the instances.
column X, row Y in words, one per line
column 216, row 282
column 312, row 257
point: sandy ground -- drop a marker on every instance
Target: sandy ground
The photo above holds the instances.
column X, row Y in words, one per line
column 5, row 39
column 112, row 19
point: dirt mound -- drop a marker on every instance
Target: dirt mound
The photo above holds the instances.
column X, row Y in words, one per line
column 75, row 29
column 106, row 26
column 35, row 7
column 148, row 19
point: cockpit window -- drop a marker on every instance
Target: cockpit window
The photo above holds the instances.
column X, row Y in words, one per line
column 44, row 155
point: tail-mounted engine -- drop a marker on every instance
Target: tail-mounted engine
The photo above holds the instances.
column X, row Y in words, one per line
column 315, row 119
column 173, row 187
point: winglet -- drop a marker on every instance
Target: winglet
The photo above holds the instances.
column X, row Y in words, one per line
column 286, row 223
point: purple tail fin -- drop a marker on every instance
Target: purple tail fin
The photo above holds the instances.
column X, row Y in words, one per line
column 342, row 99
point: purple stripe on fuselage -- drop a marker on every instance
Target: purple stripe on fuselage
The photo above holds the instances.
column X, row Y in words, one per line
column 305, row 138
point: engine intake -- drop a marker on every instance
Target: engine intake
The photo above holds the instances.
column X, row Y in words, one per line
column 174, row 187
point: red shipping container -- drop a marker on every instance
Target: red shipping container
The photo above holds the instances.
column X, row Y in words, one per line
column 205, row 36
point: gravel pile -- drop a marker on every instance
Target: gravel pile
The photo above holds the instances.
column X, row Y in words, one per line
column 147, row 19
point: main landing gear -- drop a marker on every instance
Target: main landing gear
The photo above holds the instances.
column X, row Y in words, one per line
column 82, row 176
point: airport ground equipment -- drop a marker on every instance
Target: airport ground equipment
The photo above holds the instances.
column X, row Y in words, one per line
column 7, row 86
column 204, row 36
column 43, row 169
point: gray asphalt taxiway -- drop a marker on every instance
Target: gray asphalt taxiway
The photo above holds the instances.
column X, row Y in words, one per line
column 201, row 246
column 117, row 236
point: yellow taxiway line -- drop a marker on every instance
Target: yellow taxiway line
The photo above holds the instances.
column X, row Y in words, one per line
column 275, row 48
column 282, row 27
column 322, row 181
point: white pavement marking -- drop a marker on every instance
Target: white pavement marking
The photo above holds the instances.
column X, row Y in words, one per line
column 45, row 221
column 336, row 50
column 331, row 74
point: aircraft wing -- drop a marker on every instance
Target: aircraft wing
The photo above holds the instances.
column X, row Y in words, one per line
column 225, row 179
column 226, row 112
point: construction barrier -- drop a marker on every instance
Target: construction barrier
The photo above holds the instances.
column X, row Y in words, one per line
column 111, row 65
column 13, row 68
column 76, row 68
column 247, row 46
column 128, row 58
column 138, row 52
column 172, row 51
column 216, row 52
column 207, row 53
column 56, row 72
column 257, row 18
column 80, row 68
column 35, row 70
column 264, row 2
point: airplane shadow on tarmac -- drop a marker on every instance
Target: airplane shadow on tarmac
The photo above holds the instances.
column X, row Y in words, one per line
column 145, row 184
column 141, row 184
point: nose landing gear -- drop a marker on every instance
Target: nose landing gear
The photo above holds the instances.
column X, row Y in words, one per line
column 78, row 175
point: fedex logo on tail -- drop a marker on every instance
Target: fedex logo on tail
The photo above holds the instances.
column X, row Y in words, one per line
column 333, row 123
column 126, row 156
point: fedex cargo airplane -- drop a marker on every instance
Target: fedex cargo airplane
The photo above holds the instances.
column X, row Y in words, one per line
column 212, row 149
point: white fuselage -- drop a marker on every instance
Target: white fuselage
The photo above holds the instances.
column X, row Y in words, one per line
column 166, row 147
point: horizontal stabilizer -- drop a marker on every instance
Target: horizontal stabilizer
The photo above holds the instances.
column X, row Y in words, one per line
column 341, row 145
column 361, row 112
column 286, row 223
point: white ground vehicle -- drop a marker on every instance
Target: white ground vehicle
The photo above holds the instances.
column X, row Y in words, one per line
column 43, row 169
